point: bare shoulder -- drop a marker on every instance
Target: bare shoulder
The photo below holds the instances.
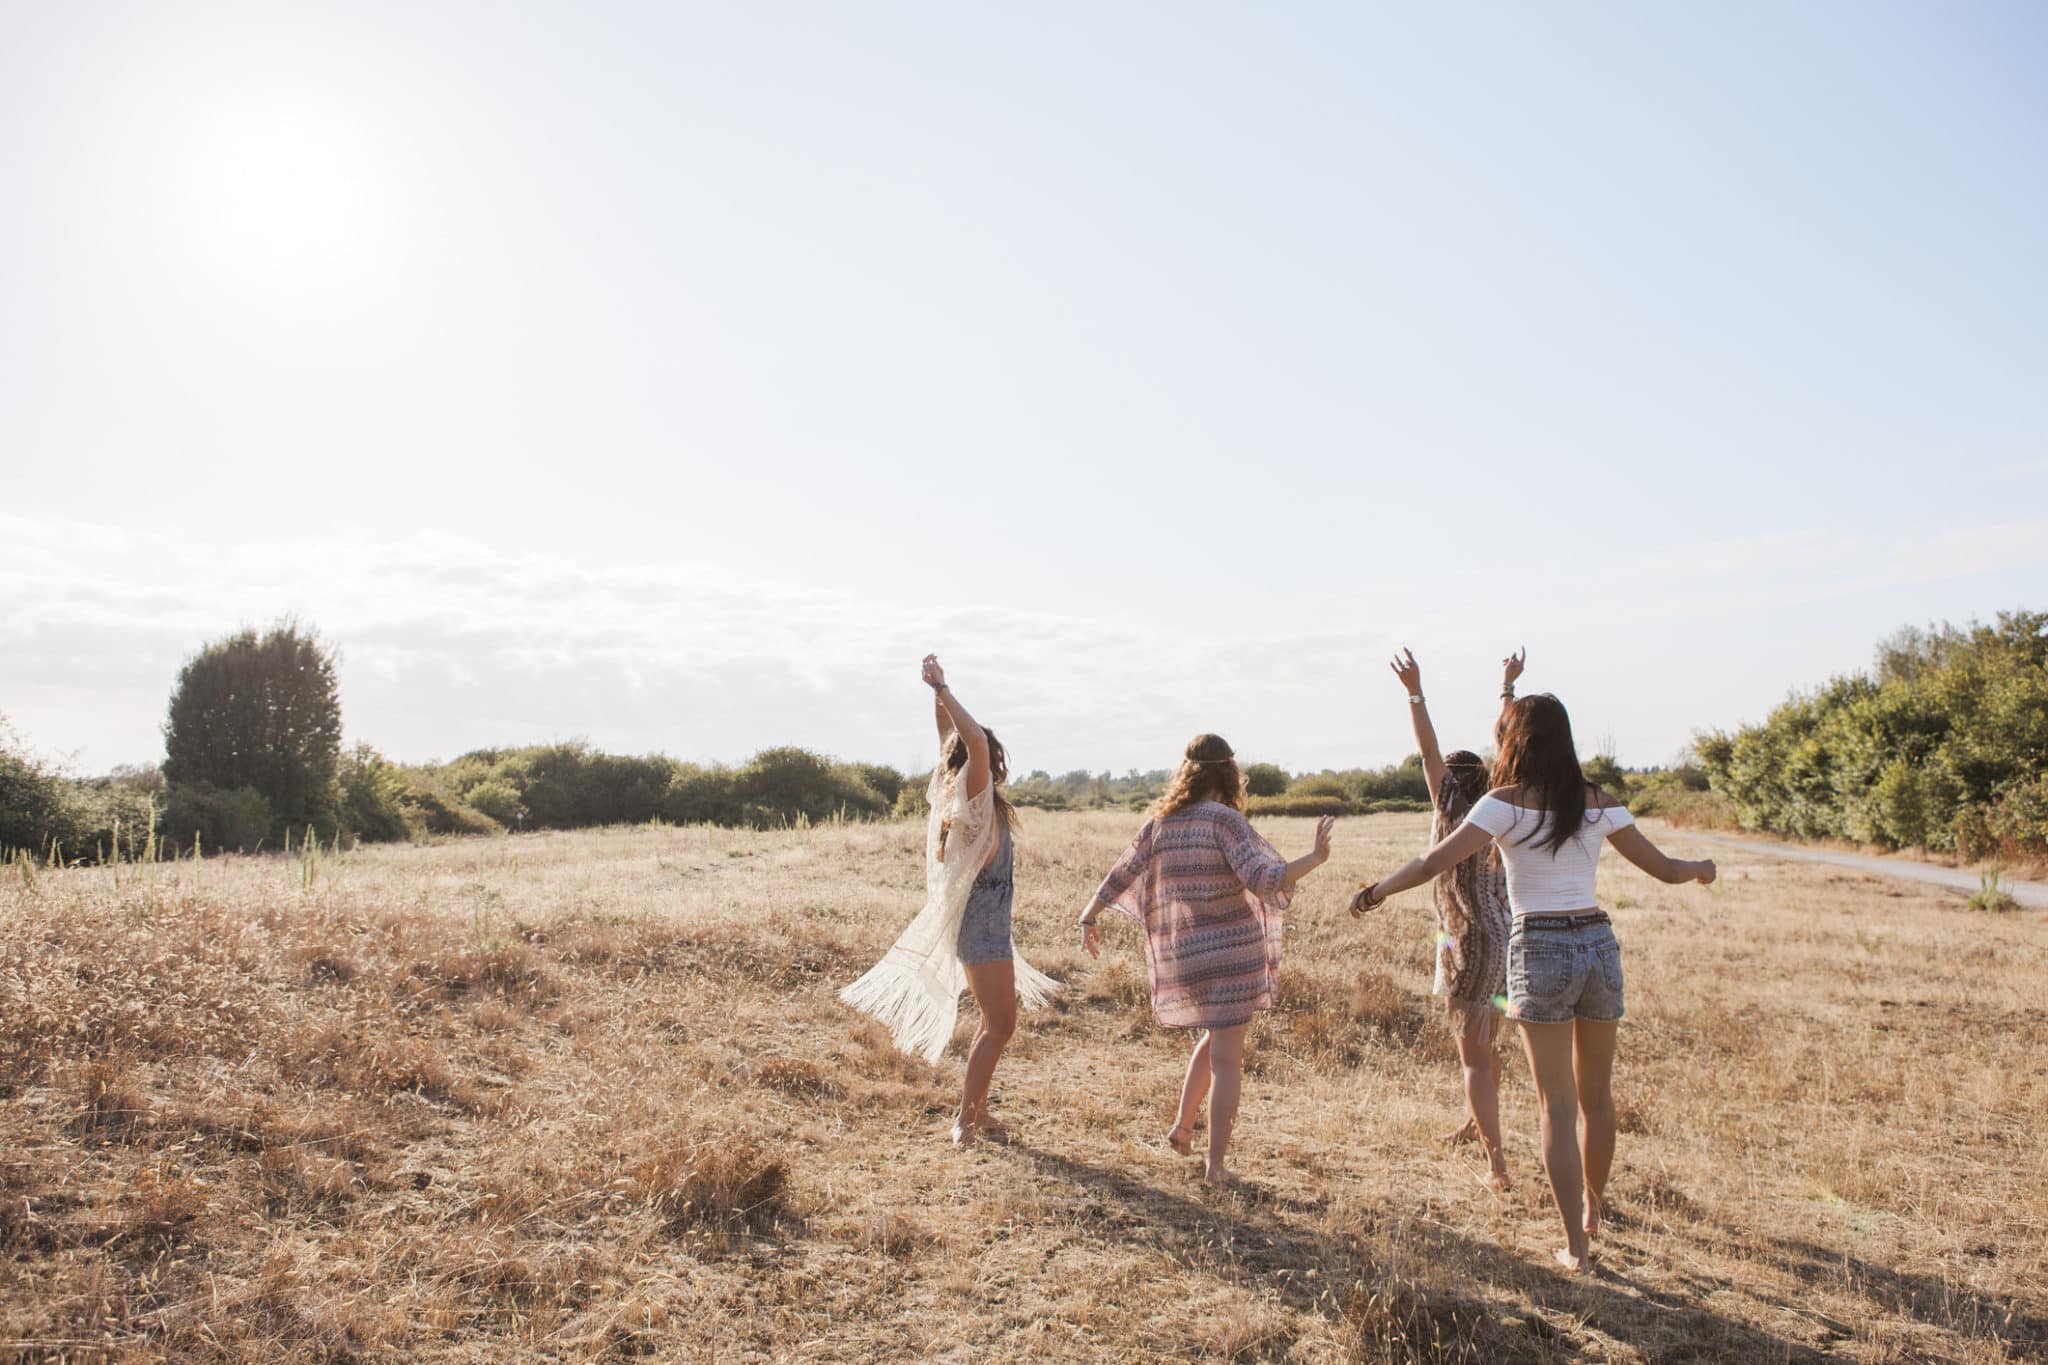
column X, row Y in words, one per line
column 1507, row 794
column 1599, row 799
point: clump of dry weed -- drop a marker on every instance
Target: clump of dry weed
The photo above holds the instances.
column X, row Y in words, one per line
column 108, row 1105
column 715, row 1185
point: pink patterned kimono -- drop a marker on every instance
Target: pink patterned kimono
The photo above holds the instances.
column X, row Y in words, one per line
column 1207, row 891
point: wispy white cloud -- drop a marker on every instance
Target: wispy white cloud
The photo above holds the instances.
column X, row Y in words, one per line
column 448, row 644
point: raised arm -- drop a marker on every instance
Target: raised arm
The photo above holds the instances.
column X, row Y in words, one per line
column 1511, row 669
column 1454, row 848
column 1410, row 673
column 1632, row 844
column 963, row 725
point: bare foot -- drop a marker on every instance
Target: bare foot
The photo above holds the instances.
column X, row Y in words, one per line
column 1185, row 1142
column 1592, row 1215
column 1496, row 1180
column 1221, row 1175
column 1458, row 1137
column 963, row 1134
column 1577, row 1265
column 993, row 1128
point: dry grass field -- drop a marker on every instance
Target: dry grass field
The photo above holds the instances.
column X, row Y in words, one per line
column 589, row 1096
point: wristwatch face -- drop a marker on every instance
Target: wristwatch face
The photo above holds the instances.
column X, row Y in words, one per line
column 1415, row 700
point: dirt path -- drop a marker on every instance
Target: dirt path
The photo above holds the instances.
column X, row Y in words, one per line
column 2034, row 895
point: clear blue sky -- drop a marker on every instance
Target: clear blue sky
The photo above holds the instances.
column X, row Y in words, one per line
column 677, row 375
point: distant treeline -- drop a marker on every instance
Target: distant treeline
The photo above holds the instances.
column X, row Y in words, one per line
column 1943, row 745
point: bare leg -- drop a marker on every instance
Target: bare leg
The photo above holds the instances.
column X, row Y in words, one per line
column 1550, row 1062
column 1226, row 1069
column 1481, row 1062
column 995, row 990
column 1193, row 1090
column 1593, row 1043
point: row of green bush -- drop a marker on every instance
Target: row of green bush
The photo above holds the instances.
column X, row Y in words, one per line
column 49, row 814
column 1943, row 745
column 571, row 786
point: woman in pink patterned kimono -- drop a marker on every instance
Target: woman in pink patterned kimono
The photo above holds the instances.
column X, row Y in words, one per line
column 1209, row 894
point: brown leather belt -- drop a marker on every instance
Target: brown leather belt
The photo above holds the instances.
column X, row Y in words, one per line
column 1562, row 921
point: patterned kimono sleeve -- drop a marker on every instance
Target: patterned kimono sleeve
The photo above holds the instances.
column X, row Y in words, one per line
column 1262, row 870
column 1117, row 888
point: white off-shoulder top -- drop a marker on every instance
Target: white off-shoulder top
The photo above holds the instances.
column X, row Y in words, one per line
column 1540, row 881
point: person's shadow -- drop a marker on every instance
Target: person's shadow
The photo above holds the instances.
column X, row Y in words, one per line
column 1250, row 1233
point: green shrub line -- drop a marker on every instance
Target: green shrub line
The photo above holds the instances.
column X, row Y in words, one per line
column 1942, row 745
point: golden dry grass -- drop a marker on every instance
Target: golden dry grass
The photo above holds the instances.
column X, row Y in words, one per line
column 589, row 1096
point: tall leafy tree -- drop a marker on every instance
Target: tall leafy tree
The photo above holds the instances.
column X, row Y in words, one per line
column 261, row 712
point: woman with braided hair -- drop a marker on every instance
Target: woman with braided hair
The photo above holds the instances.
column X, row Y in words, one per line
column 1209, row 894
column 1472, row 919
column 1564, row 963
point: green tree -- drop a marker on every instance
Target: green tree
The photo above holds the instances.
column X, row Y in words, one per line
column 1938, row 746
column 1265, row 779
column 1605, row 773
column 261, row 713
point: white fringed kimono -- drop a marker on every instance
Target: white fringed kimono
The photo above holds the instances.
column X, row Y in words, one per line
column 915, row 988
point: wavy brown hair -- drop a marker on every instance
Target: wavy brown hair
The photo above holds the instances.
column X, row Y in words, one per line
column 998, row 773
column 1537, row 755
column 1208, row 772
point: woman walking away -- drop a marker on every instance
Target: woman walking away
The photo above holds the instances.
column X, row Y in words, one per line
column 961, row 938
column 1471, row 919
column 1564, row 966
column 1209, row 894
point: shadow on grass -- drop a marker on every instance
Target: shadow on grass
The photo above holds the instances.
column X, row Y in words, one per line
column 1252, row 1235
column 1923, row 1298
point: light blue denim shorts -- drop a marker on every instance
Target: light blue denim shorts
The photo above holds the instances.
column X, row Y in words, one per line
column 1558, row 975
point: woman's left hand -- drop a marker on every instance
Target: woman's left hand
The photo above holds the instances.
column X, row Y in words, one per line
column 1324, row 827
column 1089, row 940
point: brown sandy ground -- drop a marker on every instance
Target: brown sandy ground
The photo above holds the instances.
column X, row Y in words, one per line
column 589, row 1097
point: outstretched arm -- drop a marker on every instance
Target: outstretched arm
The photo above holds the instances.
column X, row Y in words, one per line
column 963, row 725
column 1454, row 848
column 1315, row 857
column 1410, row 673
column 1632, row 844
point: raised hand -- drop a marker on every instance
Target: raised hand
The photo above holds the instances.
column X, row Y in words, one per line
column 1511, row 667
column 1324, row 827
column 1408, row 671
column 934, row 676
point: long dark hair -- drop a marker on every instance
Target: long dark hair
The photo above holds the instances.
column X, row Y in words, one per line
column 1465, row 781
column 998, row 773
column 1537, row 755
column 1208, row 772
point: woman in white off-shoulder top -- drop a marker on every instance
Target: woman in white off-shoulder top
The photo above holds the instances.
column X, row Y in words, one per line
column 1564, row 966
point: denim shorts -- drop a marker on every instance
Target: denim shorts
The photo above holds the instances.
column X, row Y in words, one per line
column 1558, row 975
column 985, row 926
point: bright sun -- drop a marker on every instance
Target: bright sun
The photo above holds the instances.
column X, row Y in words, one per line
column 277, row 203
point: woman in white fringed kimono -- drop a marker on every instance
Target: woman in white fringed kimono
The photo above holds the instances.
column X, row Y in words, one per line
column 960, row 940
